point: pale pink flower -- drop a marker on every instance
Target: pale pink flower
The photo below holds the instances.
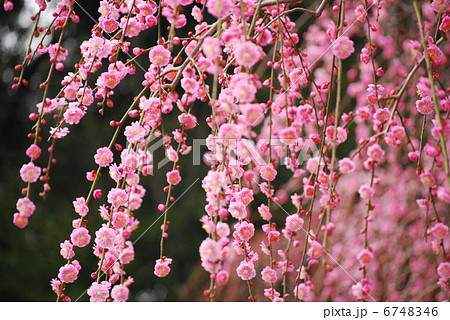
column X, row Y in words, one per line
column 252, row 113
column 427, row 179
column 229, row 134
column 81, row 206
column 33, row 151
column 346, row 165
column 268, row 172
column 245, row 196
column 343, row 47
column 219, row 8
column 237, row 210
column 294, row 222
column 20, row 220
column 120, row 293
column 360, row 13
column 365, row 257
column 264, row 212
column 30, row 173
column 302, row 291
column 210, row 250
column 134, row 132
column 246, row 270
column 316, row 250
column 68, row 273
column 74, row 114
column 119, row 220
column 187, row 120
column 269, row 275
column 247, row 54
column 105, row 237
column 99, row 292
column 159, row 56
column 117, row 197
column 245, row 230
column 59, row 132
column 104, row 157
column 25, row 206
column 425, row 105
column 375, row 152
column 211, row 48
column 288, row 136
column 197, row 14
column 366, row 192
column 80, row 237
column 173, row 177
column 67, row 250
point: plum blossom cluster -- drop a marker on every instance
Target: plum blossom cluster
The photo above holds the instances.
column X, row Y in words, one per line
column 335, row 225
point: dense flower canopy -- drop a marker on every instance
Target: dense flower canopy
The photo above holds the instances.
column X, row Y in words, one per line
column 327, row 146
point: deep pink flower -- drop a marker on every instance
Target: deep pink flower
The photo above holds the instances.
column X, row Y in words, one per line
column 365, row 257
column 173, row 177
column 445, row 25
column 425, row 105
column 343, row 47
column 33, row 152
column 20, row 220
column 222, row 277
column 268, row 172
column 440, row 230
column 30, row 173
column 444, row 270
